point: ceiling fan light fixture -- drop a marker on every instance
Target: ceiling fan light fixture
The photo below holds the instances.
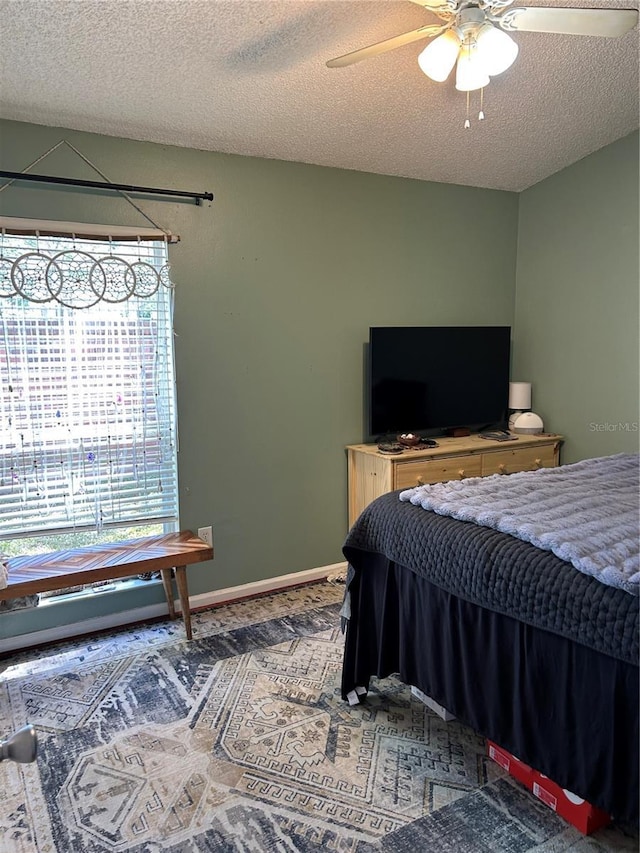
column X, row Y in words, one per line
column 439, row 56
column 496, row 49
column 470, row 73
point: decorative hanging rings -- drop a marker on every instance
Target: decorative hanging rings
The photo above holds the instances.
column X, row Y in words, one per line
column 79, row 288
column 146, row 279
column 119, row 279
column 35, row 278
column 78, row 279
column 7, row 287
column 164, row 276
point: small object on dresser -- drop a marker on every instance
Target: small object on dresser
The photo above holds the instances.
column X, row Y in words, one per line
column 409, row 439
column 498, row 435
column 528, row 423
column 390, row 447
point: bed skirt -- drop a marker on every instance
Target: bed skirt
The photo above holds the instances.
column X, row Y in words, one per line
column 567, row 710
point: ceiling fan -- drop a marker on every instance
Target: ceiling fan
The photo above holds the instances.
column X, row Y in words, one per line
column 474, row 34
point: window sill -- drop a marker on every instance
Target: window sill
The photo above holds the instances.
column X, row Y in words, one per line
column 113, row 586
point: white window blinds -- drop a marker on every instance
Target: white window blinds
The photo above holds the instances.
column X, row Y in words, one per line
column 87, row 397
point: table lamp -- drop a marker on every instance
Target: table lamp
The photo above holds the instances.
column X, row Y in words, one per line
column 519, row 400
column 522, row 420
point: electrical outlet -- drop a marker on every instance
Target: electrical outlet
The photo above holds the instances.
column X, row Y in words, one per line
column 206, row 534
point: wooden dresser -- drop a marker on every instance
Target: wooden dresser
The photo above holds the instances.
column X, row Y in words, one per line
column 372, row 473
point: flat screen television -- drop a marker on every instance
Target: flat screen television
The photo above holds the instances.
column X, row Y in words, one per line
column 430, row 379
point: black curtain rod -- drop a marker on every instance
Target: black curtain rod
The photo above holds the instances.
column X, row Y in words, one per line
column 50, row 179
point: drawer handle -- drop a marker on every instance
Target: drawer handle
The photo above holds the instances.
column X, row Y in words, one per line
column 502, row 468
column 538, row 463
column 420, row 481
column 461, row 473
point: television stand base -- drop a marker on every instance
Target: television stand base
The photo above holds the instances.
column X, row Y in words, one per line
column 458, row 432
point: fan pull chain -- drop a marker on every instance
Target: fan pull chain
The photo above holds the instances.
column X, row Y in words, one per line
column 467, row 121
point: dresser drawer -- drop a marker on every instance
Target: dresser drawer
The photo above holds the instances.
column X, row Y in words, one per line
column 518, row 459
column 436, row 470
column 372, row 473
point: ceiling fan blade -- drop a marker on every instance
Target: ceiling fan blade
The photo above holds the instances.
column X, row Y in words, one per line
column 384, row 46
column 609, row 23
column 433, row 4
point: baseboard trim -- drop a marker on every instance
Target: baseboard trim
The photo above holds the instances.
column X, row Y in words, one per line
column 248, row 590
column 155, row 611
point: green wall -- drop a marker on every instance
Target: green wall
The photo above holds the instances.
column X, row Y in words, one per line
column 278, row 281
column 576, row 330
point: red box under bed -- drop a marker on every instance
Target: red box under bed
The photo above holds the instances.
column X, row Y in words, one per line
column 578, row 812
column 514, row 767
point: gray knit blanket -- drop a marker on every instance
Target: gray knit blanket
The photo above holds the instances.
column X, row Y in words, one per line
column 587, row 513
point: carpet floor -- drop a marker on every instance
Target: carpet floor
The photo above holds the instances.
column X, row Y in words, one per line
column 239, row 741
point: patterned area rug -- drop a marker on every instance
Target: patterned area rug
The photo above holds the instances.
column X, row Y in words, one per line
column 239, row 741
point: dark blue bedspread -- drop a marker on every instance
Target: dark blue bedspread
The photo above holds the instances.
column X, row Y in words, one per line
column 502, row 573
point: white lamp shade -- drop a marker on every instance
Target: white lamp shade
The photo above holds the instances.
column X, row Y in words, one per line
column 496, row 49
column 520, row 395
column 471, row 73
column 439, row 56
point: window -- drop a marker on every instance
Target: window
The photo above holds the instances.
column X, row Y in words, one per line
column 87, row 395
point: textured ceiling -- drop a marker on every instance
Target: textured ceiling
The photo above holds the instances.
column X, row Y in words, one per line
column 250, row 78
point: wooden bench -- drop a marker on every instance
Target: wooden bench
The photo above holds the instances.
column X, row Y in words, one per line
column 60, row 569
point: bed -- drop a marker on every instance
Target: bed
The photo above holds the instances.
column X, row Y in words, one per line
column 533, row 653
